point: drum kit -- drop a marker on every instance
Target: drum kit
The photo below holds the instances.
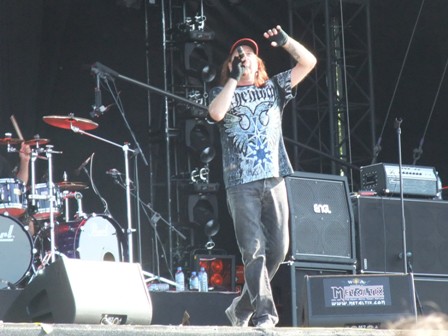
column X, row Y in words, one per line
column 45, row 207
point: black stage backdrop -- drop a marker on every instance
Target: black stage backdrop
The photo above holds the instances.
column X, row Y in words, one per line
column 47, row 47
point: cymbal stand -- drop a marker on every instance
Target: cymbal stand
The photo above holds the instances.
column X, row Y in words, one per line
column 65, row 197
column 34, row 156
column 126, row 151
column 50, row 197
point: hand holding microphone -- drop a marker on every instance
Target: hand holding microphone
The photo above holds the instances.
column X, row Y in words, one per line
column 237, row 65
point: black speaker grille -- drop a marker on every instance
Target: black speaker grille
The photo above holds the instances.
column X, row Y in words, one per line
column 321, row 218
column 380, row 234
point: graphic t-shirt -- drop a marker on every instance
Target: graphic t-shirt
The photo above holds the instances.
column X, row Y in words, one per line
column 251, row 131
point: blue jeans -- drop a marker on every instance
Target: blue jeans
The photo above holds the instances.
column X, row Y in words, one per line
column 260, row 216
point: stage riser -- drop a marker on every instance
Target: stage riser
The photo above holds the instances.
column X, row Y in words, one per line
column 202, row 308
column 288, row 287
column 289, row 291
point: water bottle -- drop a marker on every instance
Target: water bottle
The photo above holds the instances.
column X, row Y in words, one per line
column 439, row 187
column 194, row 281
column 180, row 280
column 203, row 280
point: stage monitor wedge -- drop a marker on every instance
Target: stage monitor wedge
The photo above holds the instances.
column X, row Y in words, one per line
column 84, row 292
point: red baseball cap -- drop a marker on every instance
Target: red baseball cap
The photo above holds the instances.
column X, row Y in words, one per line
column 247, row 42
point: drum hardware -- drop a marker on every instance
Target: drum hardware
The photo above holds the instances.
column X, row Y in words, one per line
column 78, row 197
column 49, row 196
column 67, row 192
column 80, row 125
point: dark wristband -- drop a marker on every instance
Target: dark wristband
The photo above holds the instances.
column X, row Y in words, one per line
column 281, row 38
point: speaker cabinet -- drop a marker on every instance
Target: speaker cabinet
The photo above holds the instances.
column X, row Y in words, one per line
column 322, row 226
column 380, row 235
column 363, row 301
column 431, row 293
column 76, row 291
column 288, row 288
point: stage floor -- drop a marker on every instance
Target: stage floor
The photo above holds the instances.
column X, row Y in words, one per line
column 30, row 329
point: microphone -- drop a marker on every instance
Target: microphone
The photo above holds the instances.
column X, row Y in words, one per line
column 240, row 54
column 398, row 122
column 77, row 171
column 98, row 108
column 114, row 172
column 99, row 68
column 408, row 255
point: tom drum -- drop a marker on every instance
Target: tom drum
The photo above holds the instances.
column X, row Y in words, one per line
column 42, row 209
column 12, row 197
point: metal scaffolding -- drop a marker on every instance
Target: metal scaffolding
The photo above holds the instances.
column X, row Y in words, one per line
column 334, row 128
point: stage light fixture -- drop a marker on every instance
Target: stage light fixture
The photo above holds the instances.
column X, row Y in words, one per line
column 198, row 61
column 220, row 270
column 203, row 212
column 199, row 138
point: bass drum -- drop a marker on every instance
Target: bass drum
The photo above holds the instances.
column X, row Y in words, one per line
column 16, row 251
column 97, row 238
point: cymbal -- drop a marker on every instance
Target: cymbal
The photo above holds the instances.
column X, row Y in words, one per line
column 72, row 186
column 11, row 141
column 36, row 142
column 66, row 122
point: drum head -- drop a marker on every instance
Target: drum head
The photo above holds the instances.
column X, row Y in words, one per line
column 97, row 238
column 16, row 251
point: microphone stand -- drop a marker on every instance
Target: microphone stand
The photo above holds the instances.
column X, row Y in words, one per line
column 397, row 124
column 107, row 72
column 126, row 150
column 104, row 70
column 407, row 265
column 153, row 219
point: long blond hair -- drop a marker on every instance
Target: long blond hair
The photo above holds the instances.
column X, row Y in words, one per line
column 260, row 77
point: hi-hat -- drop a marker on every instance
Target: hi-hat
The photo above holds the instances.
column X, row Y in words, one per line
column 67, row 122
column 72, row 186
column 11, row 141
column 37, row 142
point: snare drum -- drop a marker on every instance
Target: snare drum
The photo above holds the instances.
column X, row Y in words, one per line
column 42, row 209
column 12, row 197
column 98, row 238
column 16, row 251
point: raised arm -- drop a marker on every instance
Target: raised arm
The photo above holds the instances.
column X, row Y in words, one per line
column 24, row 160
column 306, row 61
